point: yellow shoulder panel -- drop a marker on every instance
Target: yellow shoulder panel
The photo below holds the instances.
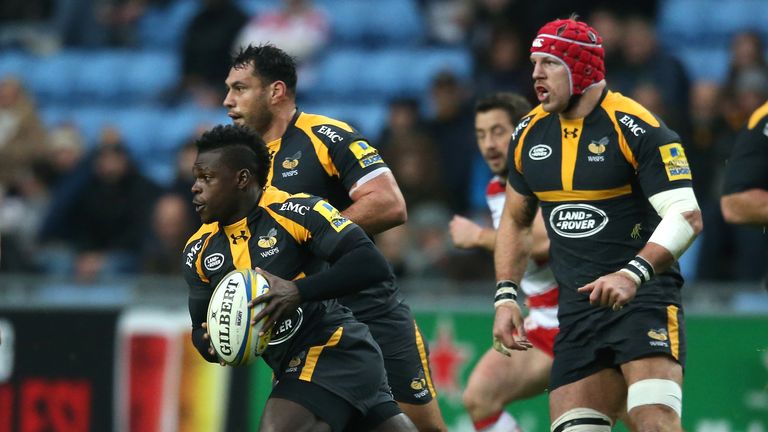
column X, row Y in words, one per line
column 537, row 114
column 758, row 115
column 273, row 195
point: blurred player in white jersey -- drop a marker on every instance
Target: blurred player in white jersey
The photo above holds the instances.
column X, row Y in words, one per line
column 502, row 376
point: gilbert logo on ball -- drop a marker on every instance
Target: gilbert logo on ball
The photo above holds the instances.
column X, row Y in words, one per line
column 233, row 338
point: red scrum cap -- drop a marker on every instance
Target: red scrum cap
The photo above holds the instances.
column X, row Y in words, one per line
column 578, row 46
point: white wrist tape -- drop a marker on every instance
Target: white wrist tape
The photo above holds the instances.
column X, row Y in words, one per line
column 674, row 232
column 633, row 276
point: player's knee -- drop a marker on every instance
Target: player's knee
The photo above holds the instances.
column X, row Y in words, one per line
column 478, row 405
column 582, row 420
column 655, row 392
column 661, row 400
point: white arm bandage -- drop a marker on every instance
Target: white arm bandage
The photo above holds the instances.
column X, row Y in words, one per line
column 368, row 177
column 674, row 232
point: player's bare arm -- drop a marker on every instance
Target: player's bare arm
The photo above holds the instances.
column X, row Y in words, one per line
column 466, row 234
column 748, row 207
column 378, row 204
column 513, row 248
column 539, row 238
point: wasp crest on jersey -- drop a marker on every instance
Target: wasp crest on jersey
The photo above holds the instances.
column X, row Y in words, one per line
column 269, row 240
column 577, row 220
column 675, row 162
column 597, row 148
column 366, row 154
column 333, row 216
column 290, row 163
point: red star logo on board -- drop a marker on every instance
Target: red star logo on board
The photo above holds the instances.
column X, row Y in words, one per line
column 448, row 359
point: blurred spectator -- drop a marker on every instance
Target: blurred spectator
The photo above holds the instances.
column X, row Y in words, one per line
column 25, row 24
column 647, row 65
column 707, row 128
column 182, row 182
column 65, row 151
column 171, row 227
column 22, row 135
column 504, row 65
column 452, row 130
column 105, row 222
column 605, row 20
column 732, row 252
column 101, row 23
column 208, row 42
column 404, row 119
column 447, row 21
column 431, row 254
column 21, row 214
column 298, row 28
column 393, row 244
column 747, row 51
column 414, row 163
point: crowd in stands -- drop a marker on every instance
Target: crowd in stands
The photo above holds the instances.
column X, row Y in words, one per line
column 94, row 180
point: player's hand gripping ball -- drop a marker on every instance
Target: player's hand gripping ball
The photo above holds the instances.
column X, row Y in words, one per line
column 233, row 338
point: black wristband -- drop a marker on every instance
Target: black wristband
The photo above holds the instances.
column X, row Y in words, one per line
column 641, row 268
column 506, row 291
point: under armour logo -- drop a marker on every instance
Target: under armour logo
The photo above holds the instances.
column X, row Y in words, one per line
column 573, row 133
column 213, row 316
column 235, row 238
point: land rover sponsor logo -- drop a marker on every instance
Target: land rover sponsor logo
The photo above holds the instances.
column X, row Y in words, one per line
column 540, row 152
column 577, row 220
column 287, row 328
column 214, row 262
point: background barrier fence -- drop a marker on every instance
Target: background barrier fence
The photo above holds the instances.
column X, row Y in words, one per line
column 69, row 362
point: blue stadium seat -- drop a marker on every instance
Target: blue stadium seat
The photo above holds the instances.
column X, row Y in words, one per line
column 51, row 78
column 387, row 73
column 684, row 20
column 102, row 75
column 340, row 74
column 371, row 22
column 163, row 27
column 13, row 63
column 255, row 7
column 149, row 75
column 710, row 63
column 431, row 62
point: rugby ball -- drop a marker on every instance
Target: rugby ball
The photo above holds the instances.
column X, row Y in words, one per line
column 235, row 341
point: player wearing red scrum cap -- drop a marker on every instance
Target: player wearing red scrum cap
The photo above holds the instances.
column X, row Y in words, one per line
column 615, row 190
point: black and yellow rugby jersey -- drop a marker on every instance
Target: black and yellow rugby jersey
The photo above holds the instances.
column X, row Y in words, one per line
column 325, row 157
column 281, row 235
column 747, row 168
column 592, row 177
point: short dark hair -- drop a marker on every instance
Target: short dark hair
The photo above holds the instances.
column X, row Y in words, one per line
column 514, row 104
column 241, row 148
column 269, row 62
